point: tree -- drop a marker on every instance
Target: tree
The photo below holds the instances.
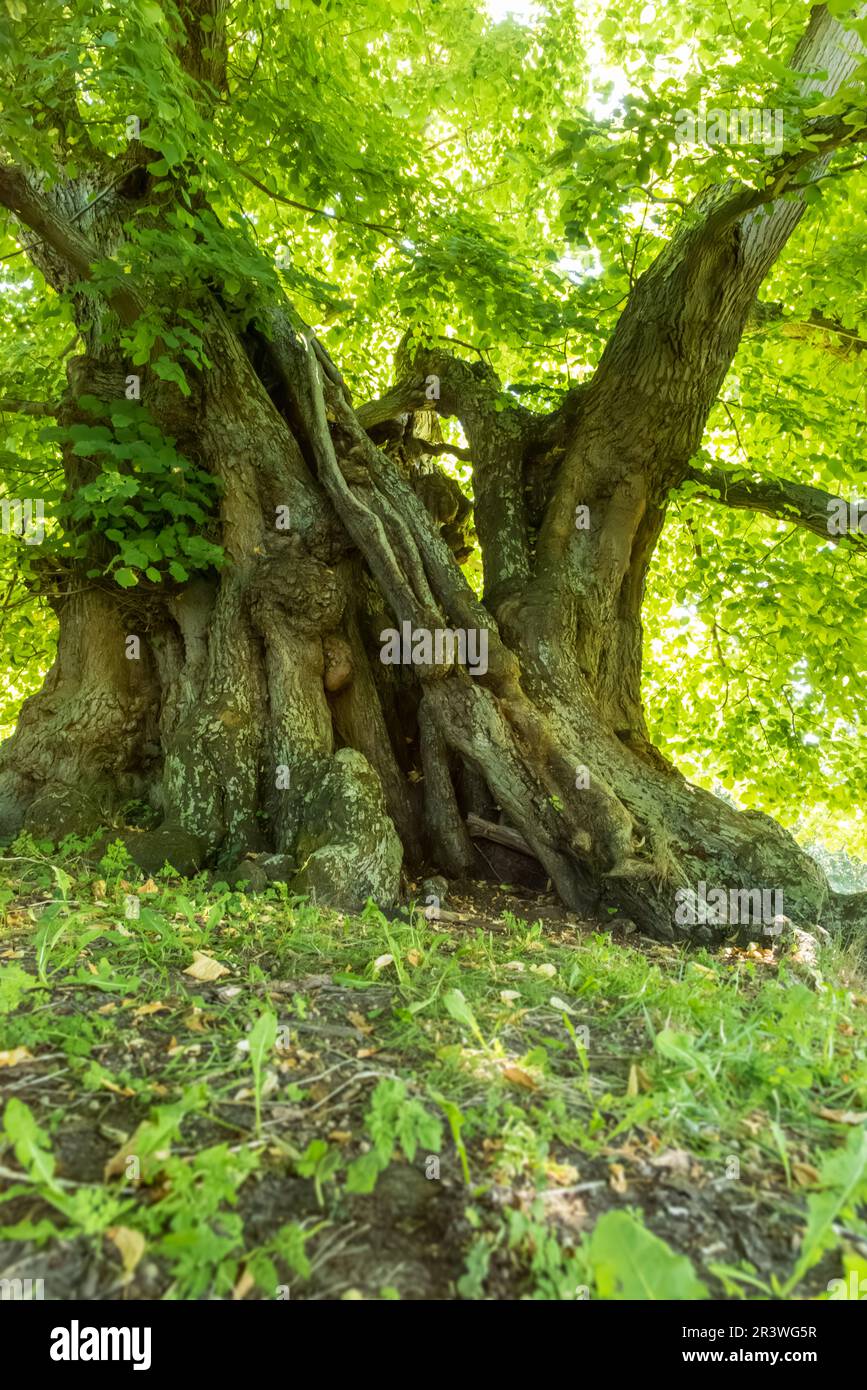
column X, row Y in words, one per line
column 246, row 515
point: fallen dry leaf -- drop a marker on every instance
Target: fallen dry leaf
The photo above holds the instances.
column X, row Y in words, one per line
column 674, row 1160
column 15, row 1056
column 617, row 1178
column 359, row 1021
column 149, row 887
column 382, row 961
column 634, row 1152
column 639, row 1080
column 205, row 967
column 144, row 1009
column 112, row 1086
column 414, row 957
column 843, row 1117
column 244, row 1285
column 131, row 1245
column 805, row 1174
column 557, row 1003
column 561, row 1174
column 755, row 1123
column 519, row 1077
column 566, row 1209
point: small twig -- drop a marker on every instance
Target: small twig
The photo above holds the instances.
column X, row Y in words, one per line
column 579, row 1187
column 360, row 1076
column 25, row 1177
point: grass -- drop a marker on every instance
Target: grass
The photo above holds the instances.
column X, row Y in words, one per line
column 214, row 1095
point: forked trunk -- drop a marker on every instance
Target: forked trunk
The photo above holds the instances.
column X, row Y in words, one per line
column 248, row 710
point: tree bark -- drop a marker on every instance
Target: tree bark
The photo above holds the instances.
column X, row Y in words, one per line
column 256, row 716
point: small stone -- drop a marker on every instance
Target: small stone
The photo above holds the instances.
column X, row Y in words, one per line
column 249, row 876
column 278, row 867
column 624, row 924
column 434, row 887
column 153, row 849
column 63, row 810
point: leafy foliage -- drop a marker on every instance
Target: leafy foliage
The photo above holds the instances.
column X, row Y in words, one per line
column 146, row 498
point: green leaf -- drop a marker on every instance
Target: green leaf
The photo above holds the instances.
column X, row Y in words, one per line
column 29, row 1142
column 630, row 1263
column 362, row 1173
column 263, row 1035
column 460, row 1010
column 843, row 1182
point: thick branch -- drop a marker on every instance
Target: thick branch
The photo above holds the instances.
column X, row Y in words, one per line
column 34, row 211
column 799, row 503
column 499, row 432
column 362, row 523
column 646, row 407
column 405, row 396
column 824, row 136
column 770, row 315
column 426, row 447
column 482, row 829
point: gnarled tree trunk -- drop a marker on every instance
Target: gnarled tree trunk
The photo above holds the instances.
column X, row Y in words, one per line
column 253, row 713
